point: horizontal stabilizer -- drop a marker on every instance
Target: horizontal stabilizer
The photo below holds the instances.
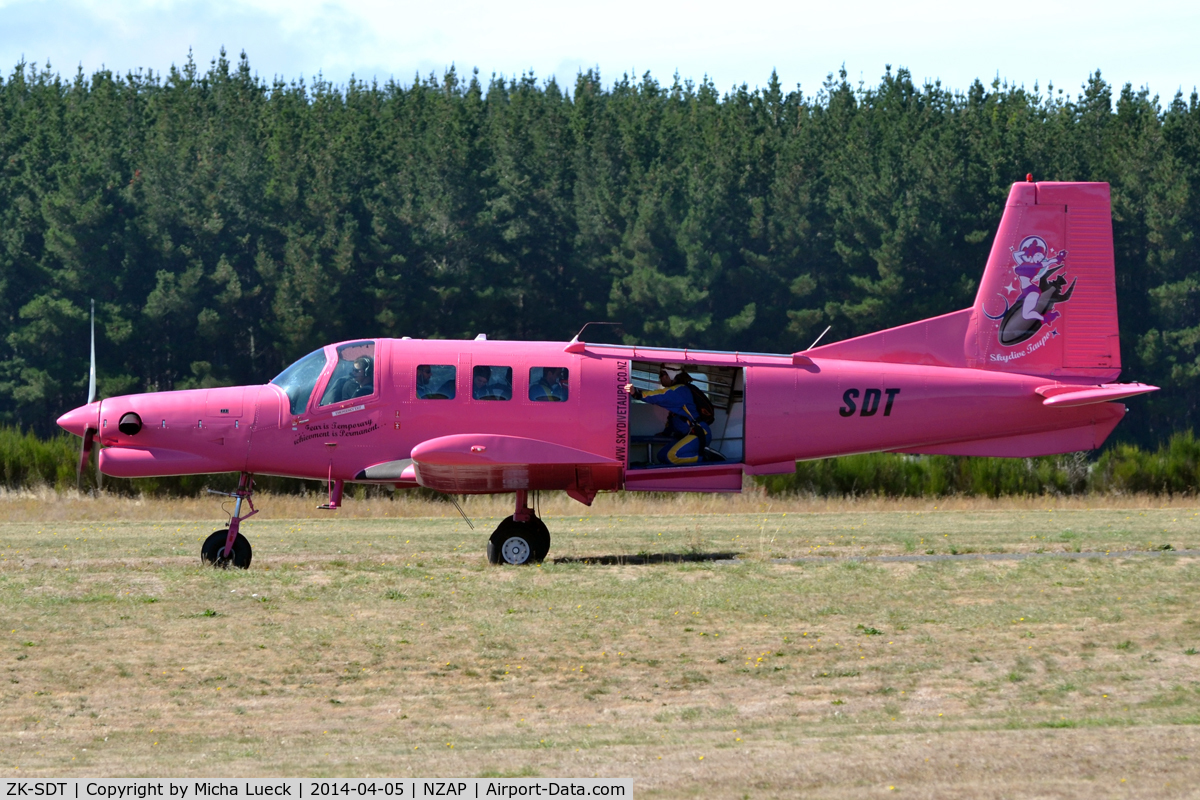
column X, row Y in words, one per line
column 1059, row 396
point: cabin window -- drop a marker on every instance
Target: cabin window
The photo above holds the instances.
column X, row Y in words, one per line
column 298, row 380
column 435, row 381
column 548, row 384
column 353, row 375
column 491, row 383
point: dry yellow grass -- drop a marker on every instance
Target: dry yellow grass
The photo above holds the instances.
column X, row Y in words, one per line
column 376, row 642
column 47, row 504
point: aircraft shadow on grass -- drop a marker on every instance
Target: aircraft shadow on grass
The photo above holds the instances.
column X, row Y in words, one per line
column 648, row 558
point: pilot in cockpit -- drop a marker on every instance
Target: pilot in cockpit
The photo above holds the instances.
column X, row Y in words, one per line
column 361, row 381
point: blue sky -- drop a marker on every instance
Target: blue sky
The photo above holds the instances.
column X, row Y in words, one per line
column 1150, row 43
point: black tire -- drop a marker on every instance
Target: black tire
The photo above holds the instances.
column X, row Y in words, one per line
column 541, row 539
column 210, row 552
column 519, row 543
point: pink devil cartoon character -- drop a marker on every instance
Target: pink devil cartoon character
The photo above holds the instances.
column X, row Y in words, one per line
column 1032, row 264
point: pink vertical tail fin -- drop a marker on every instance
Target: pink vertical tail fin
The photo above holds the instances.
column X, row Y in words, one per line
column 1048, row 302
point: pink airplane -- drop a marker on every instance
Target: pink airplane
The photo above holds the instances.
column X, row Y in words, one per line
column 1028, row 370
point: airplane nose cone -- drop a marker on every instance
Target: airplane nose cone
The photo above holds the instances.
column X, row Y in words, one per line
column 80, row 419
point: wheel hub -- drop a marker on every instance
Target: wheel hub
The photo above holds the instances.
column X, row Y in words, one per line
column 516, row 550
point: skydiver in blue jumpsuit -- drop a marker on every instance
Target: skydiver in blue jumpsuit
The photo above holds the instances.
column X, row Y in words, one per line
column 683, row 419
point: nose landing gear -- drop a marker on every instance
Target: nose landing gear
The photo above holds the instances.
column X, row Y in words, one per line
column 521, row 538
column 228, row 547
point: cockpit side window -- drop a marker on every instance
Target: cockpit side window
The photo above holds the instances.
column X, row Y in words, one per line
column 354, row 374
column 298, row 380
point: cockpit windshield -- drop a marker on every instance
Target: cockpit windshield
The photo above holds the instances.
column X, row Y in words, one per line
column 298, row 380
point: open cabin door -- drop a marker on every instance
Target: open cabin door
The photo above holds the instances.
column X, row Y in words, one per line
column 719, row 467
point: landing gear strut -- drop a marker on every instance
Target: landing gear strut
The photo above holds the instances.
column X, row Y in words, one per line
column 228, row 547
column 521, row 538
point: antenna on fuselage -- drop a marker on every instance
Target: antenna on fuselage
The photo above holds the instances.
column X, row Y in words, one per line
column 576, row 339
column 819, row 338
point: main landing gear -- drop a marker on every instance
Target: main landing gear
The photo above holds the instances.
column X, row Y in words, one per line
column 227, row 547
column 521, row 538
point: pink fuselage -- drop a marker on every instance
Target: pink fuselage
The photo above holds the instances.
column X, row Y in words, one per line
column 826, row 407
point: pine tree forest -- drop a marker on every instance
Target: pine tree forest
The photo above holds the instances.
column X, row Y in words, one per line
column 226, row 225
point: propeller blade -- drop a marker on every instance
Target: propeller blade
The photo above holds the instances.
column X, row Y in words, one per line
column 85, row 454
column 89, row 434
column 92, row 369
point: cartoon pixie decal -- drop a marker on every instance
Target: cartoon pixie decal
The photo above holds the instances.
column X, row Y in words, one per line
column 1039, row 291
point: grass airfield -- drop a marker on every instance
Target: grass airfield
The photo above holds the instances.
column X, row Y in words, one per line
column 377, row 642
